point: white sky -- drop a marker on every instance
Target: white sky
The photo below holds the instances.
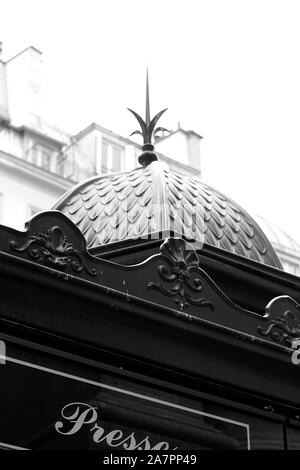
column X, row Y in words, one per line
column 229, row 69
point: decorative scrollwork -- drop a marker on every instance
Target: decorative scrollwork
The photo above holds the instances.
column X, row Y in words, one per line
column 284, row 329
column 183, row 272
column 53, row 248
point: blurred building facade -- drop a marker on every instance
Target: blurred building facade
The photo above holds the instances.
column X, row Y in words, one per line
column 286, row 247
column 39, row 161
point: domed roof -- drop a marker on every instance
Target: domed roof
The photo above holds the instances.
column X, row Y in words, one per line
column 120, row 206
column 280, row 240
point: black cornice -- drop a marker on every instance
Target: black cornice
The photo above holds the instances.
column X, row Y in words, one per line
column 166, row 310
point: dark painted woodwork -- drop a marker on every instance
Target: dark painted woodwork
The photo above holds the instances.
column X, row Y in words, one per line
column 170, row 318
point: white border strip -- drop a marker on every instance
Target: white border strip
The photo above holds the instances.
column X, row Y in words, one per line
column 127, row 392
column 4, row 446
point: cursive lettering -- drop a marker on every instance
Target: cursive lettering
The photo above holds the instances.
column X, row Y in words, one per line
column 78, row 415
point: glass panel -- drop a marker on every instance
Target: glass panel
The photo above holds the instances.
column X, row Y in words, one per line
column 34, row 155
column 61, row 165
column 104, row 164
column 46, row 156
column 116, row 159
column 293, row 438
column 41, row 156
column 48, row 404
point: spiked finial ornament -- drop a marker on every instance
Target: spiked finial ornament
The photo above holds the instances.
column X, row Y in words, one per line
column 148, row 130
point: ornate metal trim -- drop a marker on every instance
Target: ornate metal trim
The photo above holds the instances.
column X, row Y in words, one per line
column 285, row 328
column 51, row 246
column 181, row 271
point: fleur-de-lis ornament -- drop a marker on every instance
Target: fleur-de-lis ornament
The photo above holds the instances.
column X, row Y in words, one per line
column 148, row 130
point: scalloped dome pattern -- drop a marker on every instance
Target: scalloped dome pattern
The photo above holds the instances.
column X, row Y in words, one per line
column 115, row 207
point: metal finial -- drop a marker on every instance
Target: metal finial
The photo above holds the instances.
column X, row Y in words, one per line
column 148, row 129
column 147, row 101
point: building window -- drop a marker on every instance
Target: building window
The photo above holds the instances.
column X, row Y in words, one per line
column 111, row 157
column 116, row 158
column 104, row 162
column 60, row 165
column 42, row 156
column 46, row 158
column 34, row 157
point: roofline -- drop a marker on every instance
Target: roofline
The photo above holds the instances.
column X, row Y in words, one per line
column 21, row 52
column 170, row 160
column 270, row 225
column 23, row 166
column 181, row 165
column 189, row 132
column 94, row 125
column 39, row 133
